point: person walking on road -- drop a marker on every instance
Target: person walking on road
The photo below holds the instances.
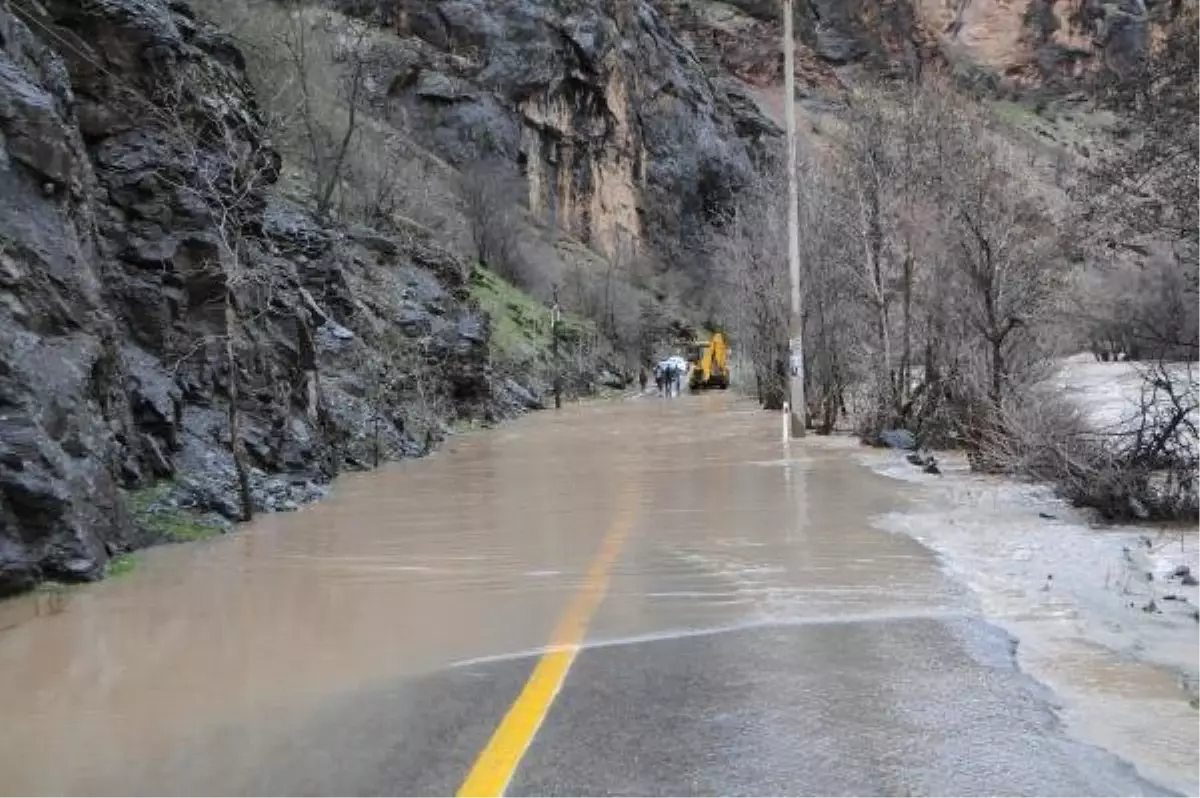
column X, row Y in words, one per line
column 671, row 377
column 642, row 378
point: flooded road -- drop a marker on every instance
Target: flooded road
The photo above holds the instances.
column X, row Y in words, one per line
column 640, row 597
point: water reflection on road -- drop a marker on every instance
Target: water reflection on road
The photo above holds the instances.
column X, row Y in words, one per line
column 185, row 674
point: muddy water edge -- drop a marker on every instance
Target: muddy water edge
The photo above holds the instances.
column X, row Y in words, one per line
column 189, row 673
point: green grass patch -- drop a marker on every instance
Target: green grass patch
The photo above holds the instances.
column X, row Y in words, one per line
column 520, row 324
column 1077, row 126
column 120, row 565
column 1019, row 114
column 463, row 426
column 172, row 525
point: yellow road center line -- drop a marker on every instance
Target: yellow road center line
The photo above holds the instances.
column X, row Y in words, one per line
column 496, row 764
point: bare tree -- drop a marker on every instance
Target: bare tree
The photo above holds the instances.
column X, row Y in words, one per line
column 1004, row 243
column 1149, row 185
column 226, row 169
column 870, row 173
column 329, row 136
column 749, row 255
column 492, row 197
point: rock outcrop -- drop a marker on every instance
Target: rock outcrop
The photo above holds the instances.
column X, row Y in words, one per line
column 622, row 135
column 998, row 44
column 136, row 214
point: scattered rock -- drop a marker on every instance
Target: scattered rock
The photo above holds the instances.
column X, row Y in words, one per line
column 521, row 396
column 1138, row 509
column 898, row 439
column 1189, row 581
column 611, row 379
column 1181, row 571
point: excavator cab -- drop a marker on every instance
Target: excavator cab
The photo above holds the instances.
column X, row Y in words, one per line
column 710, row 364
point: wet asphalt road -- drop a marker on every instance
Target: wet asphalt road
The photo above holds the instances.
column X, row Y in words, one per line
column 725, row 617
column 777, row 710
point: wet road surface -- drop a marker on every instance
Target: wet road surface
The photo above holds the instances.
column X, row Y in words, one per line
column 641, row 597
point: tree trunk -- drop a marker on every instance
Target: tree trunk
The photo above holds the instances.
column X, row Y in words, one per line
column 998, row 371
column 235, row 414
column 554, row 353
column 902, row 390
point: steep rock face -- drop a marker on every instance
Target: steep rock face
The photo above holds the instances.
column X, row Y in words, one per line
column 745, row 36
column 1021, row 43
column 620, row 132
column 1032, row 42
column 57, row 343
column 124, row 127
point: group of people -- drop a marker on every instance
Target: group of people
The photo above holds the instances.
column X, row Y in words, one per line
column 668, row 376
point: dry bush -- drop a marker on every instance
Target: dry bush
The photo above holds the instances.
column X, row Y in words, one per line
column 1141, row 309
column 493, row 195
column 748, row 256
column 308, row 66
column 1147, row 471
column 925, row 258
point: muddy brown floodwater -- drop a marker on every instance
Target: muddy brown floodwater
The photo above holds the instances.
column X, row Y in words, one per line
column 216, row 667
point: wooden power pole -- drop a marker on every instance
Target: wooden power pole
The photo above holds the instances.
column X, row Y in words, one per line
column 796, row 406
column 554, row 314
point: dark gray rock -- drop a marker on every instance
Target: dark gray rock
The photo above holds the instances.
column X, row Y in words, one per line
column 113, row 369
column 520, row 396
column 898, row 439
column 576, row 91
column 436, row 86
column 610, row 379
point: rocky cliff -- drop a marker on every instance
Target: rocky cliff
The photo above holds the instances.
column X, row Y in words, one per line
column 166, row 303
column 622, row 134
column 1009, row 44
column 154, row 274
column 147, row 269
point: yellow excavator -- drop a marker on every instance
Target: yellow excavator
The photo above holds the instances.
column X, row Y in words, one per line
column 710, row 363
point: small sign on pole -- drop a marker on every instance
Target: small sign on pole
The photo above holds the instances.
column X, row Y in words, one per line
column 796, row 357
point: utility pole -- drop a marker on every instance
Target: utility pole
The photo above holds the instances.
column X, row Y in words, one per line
column 554, row 313
column 796, row 406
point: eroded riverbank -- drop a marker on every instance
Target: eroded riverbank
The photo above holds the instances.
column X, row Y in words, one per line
column 1124, row 671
